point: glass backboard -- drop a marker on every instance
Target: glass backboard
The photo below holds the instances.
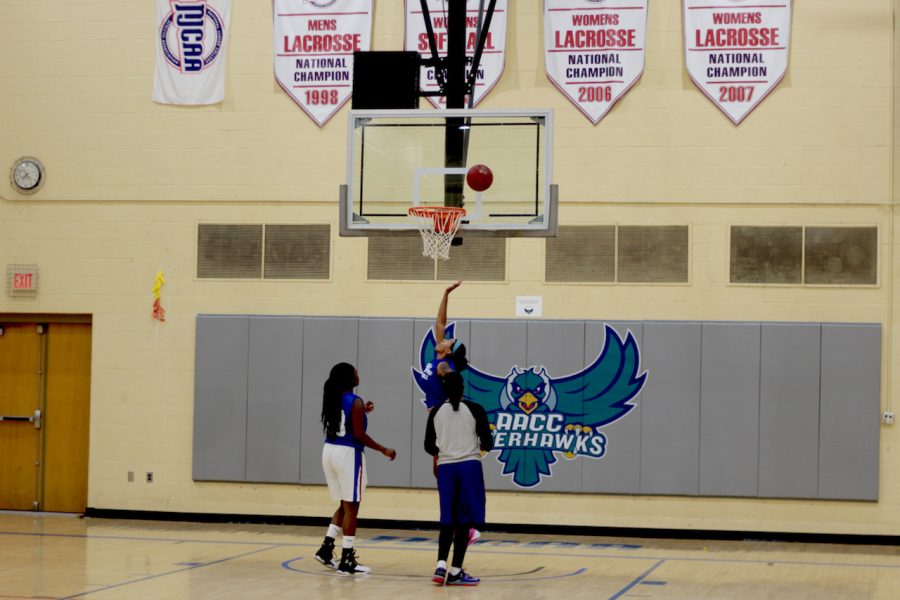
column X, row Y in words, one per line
column 398, row 159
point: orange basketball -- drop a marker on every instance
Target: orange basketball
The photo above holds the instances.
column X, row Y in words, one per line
column 479, row 178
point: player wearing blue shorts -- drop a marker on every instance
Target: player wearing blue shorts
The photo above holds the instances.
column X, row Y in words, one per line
column 450, row 356
column 344, row 421
column 457, row 433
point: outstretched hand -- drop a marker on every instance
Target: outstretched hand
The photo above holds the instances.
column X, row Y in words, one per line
column 390, row 453
column 453, row 286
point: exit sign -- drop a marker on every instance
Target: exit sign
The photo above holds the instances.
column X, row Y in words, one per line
column 22, row 280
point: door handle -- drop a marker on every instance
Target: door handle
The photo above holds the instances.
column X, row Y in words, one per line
column 36, row 418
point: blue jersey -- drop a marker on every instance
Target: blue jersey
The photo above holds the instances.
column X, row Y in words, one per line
column 345, row 435
column 431, row 383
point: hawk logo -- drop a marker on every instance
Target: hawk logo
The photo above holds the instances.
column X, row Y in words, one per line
column 535, row 416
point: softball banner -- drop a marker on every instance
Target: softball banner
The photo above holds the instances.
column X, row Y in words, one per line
column 737, row 50
column 594, row 50
column 493, row 56
column 191, row 43
column 314, row 45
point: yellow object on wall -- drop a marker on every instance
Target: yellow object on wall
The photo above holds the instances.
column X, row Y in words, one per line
column 159, row 313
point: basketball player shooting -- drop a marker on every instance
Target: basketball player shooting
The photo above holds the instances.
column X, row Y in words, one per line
column 449, row 357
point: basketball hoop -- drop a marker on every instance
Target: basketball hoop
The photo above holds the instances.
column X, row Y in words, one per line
column 438, row 225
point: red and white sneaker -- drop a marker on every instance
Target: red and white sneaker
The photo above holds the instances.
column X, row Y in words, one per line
column 474, row 536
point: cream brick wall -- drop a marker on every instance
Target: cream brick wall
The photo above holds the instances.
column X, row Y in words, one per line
column 128, row 182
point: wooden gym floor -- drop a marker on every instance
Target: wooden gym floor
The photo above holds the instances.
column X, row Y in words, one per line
column 45, row 556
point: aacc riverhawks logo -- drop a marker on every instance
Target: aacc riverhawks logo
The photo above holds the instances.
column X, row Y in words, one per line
column 535, row 416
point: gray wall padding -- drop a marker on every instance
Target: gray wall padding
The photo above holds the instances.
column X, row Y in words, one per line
column 778, row 410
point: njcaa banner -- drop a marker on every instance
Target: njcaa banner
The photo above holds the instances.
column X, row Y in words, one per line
column 314, row 45
column 736, row 51
column 594, row 50
column 537, row 416
column 191, row 44
column 490, row 68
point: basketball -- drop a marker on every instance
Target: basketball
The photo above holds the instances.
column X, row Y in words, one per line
column 479, row 178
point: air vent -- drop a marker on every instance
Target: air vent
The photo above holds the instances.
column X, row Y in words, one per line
column 297, row 251
column 653, row 254
column 841, row 255
column 766, row 254
column 581, row 254
column 477, row 259
column 400, row 258
column 229, row 251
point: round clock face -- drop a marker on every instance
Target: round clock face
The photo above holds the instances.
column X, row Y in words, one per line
column 27, row 174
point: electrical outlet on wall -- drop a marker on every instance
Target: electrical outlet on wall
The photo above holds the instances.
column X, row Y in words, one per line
column 888, row 417
column 149, row 476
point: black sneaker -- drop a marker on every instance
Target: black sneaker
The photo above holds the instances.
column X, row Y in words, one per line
column 349, row 564
column 325, row 555
column 462, row 578
column 440, row 575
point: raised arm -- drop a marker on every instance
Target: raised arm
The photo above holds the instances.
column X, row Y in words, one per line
column 440, row 324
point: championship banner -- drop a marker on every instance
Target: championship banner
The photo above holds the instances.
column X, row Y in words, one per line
column 737, row 50
column 191, row 44
column 493, row 56
column 594, row 50
column 314, row 45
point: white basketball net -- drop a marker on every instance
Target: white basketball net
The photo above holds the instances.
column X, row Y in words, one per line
column 438, row 226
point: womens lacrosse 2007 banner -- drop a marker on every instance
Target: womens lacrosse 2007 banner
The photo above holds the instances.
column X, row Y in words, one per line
column 191, row 43
column 492, row 58
column 737, row 50
column 594, row 51
column 314, row 45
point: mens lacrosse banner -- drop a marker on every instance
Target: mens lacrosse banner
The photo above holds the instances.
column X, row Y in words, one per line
column 191, row 44
column 314, row 45
column 492, row 58
column 737, row 51
column 594, row 50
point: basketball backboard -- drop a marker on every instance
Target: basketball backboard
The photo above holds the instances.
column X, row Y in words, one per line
column 399, row 159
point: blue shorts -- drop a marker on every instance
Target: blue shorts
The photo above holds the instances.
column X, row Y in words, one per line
column 461, row 489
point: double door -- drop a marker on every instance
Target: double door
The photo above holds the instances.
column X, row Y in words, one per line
column 44, row 415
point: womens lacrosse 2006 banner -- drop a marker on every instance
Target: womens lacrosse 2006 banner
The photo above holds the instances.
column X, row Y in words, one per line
column 594, row 51
column 737, row 50
column 493, row 56
column 314, row 45
column 191, row 44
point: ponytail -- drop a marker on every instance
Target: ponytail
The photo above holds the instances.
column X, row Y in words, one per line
column 453, row 386
column 459, row 357
column 341, row 380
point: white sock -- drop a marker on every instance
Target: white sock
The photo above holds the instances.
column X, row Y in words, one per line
column 455, row 570
column 442, row 564
column 333, row 531
column 347, row 541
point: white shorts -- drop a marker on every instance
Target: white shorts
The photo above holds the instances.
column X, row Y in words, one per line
column 345, row 472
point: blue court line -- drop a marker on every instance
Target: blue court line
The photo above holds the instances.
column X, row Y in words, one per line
column 639, row 579
column 149, row 577
column 475, row 549
column 654, row 582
